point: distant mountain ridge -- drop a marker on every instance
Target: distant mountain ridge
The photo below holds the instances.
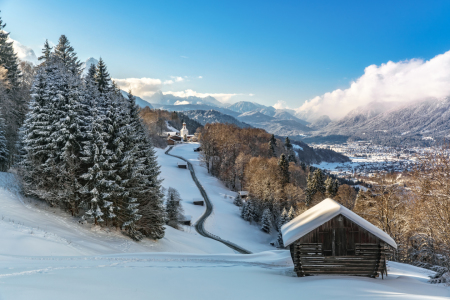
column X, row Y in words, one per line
column 420, row 122
column 213, row 116
column 168, row 99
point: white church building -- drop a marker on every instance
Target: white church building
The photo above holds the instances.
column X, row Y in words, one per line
column 174, row 138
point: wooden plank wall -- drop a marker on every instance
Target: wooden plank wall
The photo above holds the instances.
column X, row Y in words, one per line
column 339, row 247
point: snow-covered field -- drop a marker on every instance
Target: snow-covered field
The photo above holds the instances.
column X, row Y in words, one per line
column 47, row 254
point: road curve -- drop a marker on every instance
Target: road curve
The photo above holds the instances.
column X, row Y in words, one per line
column 199, row 226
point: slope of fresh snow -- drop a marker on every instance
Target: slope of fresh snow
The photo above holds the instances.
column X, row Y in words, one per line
column 168, row 276
column 225, row 221
column 46, row 254
column 30, row 227
column 173, row 129
column 321, row 213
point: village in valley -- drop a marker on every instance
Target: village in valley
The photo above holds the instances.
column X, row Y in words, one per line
column 368, row 159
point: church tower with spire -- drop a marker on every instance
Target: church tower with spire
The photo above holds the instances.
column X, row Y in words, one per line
column 184, row 132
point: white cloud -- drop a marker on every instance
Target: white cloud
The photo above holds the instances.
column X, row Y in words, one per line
column 182, row 102
column 141, row 87
column 168, row 82
column 187, row 93
column 200, row 77
column 404, row 81
column 177, row 78
column 280, row 104
column 24, row 52
column 251, row 95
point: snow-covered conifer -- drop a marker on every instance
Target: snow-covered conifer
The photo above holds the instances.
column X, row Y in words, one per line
column 66, row 54
column 272, row 144
column 266, row 221
column 237, row 200
column 46, row 52
column 174, row 210
column 4, row 153
column 283, row 165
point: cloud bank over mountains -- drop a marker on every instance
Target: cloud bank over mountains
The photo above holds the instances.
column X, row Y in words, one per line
column 401, row 82
column 24, row 52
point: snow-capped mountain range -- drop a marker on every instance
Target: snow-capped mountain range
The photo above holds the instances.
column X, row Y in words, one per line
column 419, row 122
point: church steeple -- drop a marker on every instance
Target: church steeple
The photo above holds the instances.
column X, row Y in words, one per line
column 184, row 132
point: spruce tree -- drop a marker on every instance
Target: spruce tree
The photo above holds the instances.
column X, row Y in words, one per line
column 102, row 78
column 8, row 57
column 283, row 166
column 266, row 221
column 310, row 190
column 287, row 144
column 331, row 187
column 319, row 181
column 244, row 211
column 237, row 200
column 272, row 145
column 46, row 52
column 140, row 167
column 174, row 210
column 4, row 153
column 66, row 54
column 290, row 214
column 14, row 100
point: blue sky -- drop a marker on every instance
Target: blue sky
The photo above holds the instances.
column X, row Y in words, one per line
column 286, row 51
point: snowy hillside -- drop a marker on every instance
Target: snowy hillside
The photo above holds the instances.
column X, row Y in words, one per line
column 47, row 254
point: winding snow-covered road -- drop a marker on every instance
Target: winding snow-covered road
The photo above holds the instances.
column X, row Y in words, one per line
column 199, row 225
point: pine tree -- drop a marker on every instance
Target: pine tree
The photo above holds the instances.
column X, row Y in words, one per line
column 102, row 78
column 237, row 200
column 251, row 212
column 14, row 100
column 318, row 181
column 46, row 52
column 290, row 215
column 272, row 145
column 287, row 144
column 310, row 190
column 66, row 54
column 266, row 221
column 335, row 188
column 244, row 211
column 8, row 57
column 4, row 153
column 174, row 209
column 140, row 169
column 283, row 166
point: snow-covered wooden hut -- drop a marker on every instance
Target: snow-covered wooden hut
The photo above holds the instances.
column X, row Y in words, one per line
column 182, row 164
column 243, row 194
column 331, row 239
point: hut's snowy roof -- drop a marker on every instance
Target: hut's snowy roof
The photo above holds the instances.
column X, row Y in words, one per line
column 322, row 213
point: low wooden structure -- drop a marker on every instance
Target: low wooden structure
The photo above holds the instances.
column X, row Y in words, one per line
column 243, row 194
column 186, row 220
column 199, row 202
column 330, row 239
column 174, row 140
column 182, row 165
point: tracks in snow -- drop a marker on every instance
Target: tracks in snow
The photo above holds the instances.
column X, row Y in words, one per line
column 199, row 226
